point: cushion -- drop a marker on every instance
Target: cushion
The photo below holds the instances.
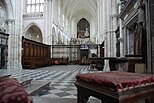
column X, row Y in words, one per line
column 11, row 91
column 116, row 80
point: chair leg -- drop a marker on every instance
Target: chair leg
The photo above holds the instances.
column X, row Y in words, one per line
column 81, row 96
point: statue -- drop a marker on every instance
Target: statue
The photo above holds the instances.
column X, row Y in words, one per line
column 141, row 13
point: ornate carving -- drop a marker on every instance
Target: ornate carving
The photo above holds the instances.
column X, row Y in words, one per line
column 123, row 2
column 141, row 12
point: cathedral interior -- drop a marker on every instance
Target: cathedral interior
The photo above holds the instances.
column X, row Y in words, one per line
column 76, row 51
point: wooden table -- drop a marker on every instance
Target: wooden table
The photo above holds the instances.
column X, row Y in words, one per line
column 108, row 95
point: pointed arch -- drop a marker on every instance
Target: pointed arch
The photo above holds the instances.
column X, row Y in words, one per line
column 83, row 28
column 59, row 37
column 31, row 24
column 53, row 36
column 34, row 33
column 53, row 32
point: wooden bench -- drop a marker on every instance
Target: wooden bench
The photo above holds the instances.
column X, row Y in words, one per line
column 115, row 87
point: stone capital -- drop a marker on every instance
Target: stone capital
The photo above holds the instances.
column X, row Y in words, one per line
column 10, row 20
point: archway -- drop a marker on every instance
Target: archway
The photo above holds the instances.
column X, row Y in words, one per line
column 34, row 33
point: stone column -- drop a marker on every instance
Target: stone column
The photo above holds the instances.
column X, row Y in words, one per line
column 99, row 23
column 110, row 25
column 114, row 26
column 150, row 35
column 105, row 26
column 121, row 39
column 48, row 17
column 10, row 30
column 15, row 37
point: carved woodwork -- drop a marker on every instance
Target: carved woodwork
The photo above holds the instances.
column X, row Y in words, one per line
column 35, row 54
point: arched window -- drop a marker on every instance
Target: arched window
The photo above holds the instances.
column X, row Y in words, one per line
column 35, row 6
column 83, row 29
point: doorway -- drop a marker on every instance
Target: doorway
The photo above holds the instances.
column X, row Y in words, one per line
column 84, row 56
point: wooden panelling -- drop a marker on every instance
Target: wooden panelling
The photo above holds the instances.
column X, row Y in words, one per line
column 35, row 54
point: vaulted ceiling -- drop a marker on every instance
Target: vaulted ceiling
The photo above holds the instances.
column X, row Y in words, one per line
column 77, row 9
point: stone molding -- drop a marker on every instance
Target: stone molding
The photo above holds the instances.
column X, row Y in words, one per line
column 33, row 15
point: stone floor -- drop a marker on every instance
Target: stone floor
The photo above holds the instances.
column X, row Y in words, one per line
column 62, row 78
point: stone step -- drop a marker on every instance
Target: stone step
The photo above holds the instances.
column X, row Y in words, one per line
column 24, row 81
column 4, row 75
column 37, row 86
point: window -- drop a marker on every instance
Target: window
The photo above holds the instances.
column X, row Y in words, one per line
column 35, row 6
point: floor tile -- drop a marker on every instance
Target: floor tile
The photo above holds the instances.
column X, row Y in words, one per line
column 62, row 79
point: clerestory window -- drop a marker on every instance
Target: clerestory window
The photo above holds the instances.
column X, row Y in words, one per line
column 35, row 6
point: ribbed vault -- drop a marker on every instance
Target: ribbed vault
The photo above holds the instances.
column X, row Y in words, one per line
column 75, row 10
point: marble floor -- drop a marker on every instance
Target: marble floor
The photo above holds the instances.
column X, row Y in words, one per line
column 62, row 80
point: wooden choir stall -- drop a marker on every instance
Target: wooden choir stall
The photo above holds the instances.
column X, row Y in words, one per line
column 35, row 54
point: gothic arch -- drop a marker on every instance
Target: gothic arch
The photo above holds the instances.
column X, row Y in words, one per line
column 9, row 9
column 83, row 28
column 59, row 38
column 53, row 36
column 34, row 33
column 64, row 38
column 31, row 24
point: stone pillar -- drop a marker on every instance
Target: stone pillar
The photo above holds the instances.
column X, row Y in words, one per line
column 109, row 26
column 48, row 17
column 10, row 30
column 15, row 37
column 150, row 35
column 121, row 39
column 99, row 23
column 114, row 24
